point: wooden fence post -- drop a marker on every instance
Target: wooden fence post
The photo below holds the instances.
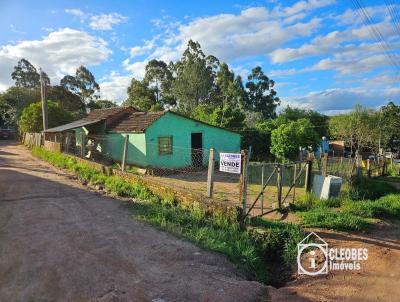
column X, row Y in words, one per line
column 294, row 182
column 384, row 166
column 210, row 174
column 307, row 184
column 279, row 184
column 262, row 189
column 124, row 153
column 358, row 164
column 83, row 143
column 368, row 168
column 242, row 190
column 67, row 142
column 325, row 165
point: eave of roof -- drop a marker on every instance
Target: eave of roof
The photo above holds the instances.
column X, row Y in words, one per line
column 73, row 125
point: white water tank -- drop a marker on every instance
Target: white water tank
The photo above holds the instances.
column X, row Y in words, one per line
column 326, row 186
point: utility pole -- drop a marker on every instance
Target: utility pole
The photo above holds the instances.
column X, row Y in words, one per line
column 380, row 132
column 44, row 100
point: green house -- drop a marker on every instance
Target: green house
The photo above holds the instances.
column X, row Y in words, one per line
column 164, row 139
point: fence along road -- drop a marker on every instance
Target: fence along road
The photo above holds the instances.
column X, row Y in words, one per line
column 268, row 186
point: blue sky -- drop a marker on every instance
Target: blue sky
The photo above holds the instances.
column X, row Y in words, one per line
column 320, row 53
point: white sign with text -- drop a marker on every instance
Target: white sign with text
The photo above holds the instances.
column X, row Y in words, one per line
column 230, row 162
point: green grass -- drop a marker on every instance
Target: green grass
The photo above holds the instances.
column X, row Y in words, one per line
column 250, row 249
column 279, row 238
column 393, row 171
column 328, row 218
column 351, row 210
column 364, row 188
column 385, row 207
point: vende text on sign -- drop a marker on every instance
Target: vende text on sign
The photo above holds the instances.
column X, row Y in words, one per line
column 230, row 162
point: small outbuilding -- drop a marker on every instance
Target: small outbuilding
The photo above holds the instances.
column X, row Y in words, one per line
column 163, row 139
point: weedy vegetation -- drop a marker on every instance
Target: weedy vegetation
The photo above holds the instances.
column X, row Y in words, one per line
column 353, row 210
column 255, row 249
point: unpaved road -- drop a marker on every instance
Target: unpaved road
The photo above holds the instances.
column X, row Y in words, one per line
column 61, row 242
column 377, row 280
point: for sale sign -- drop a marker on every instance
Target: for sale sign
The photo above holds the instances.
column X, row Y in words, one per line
column 229, row 162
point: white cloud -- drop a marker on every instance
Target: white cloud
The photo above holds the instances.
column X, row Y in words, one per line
column 114, row 87
column 352, row 66
column 75, row 12
column 252, row 32
column 334, row 42
column 301, row 6
column 98, row 22
column 136, row 69
column 284, row 72
column 352, row 16
column 58, row 53
column 336, row 100
column 106, row 21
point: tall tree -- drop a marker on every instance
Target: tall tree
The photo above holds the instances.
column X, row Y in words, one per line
column 159, row 78
column 194, row 79
column 359, row 128
column 262, row 97
column 67, row 100
column 141, row 97
column 230, row 88
column 389, row 125
column 82, row 84
column 25, row 75
column 229, row 117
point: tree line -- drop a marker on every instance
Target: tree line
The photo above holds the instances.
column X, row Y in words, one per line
column 204, row 88
column 68, row 100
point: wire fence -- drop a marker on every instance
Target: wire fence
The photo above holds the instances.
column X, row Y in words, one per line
column 260, row 188
column 185, row 168
column 338, row 166
column 272, row 185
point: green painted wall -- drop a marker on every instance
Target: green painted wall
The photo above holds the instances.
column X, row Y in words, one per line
column 113, row 143
column 181, row 129
column 143, row 147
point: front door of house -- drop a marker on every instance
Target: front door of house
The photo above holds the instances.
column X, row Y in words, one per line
column 197, row 149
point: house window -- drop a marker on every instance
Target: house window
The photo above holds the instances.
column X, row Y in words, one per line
column 164, row 145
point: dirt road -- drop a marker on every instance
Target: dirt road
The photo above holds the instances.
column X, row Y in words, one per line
column 377, row 280
column 61, row 242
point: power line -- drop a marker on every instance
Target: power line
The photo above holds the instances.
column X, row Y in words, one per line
column 368, row 21
column 391, row 8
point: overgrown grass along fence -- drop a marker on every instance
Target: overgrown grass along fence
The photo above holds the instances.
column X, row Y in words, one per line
column 354, row 210
column 254, row 252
